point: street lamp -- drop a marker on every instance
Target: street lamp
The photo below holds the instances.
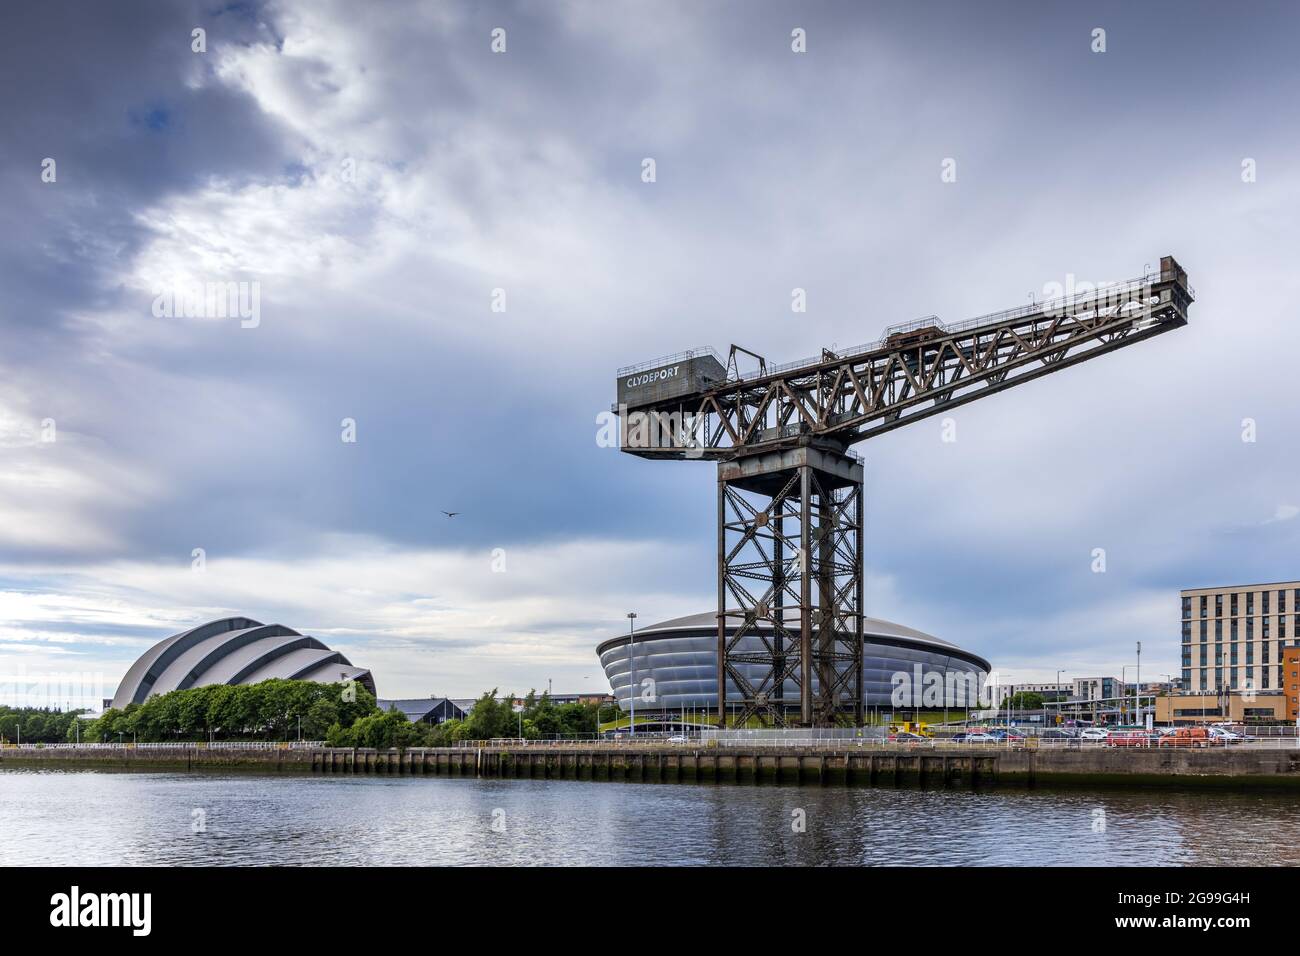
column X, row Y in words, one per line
column 1060, row 703
column 631, row 657
column 1137, row 685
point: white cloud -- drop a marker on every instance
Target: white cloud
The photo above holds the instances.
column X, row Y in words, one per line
column 1283, row 513
column 422, row 620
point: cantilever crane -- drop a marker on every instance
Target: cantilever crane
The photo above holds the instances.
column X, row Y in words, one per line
column 790, row 490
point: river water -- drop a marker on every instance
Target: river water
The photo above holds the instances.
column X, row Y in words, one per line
column 90, row 818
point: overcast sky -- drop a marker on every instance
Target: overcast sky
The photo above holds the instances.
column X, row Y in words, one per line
column 374, row 177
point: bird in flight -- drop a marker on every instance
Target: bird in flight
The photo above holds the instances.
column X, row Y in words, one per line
column 451, row 514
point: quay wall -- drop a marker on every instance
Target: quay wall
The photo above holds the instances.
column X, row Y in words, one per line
column 954, row 766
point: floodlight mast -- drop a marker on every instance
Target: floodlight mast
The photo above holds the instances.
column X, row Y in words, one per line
column 790, row 506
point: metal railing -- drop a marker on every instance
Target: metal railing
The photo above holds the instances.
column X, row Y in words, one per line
column 173, row 745
column 1058, row 304
column 669, row 360
column 847, row 740
column 1108, row 293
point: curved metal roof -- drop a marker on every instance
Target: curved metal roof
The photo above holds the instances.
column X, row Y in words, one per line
column 872, row 628
column 233, row 650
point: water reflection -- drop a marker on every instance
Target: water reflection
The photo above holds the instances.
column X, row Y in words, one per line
column 96, row 818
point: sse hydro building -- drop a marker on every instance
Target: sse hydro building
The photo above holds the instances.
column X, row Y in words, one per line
column 681, row 656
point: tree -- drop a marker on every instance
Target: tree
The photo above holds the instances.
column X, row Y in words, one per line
column 1026, row 700
column 491, row 718
column 321, row 715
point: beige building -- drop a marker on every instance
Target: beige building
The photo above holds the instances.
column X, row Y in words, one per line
column 1232, row 637
column 1238, row 708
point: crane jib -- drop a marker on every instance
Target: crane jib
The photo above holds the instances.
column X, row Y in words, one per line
column 913, row 371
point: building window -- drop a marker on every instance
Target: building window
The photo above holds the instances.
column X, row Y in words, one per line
column 1204, row 649
column 1263, row 598
column 1218, row 629
column 1234, row 655
column 1204, row 599
column 1250, row 603
column 1234, row 605
column 1264, row 672
column 1281, row 601
column 1234, row 629
column 1218, row 604
column 1250, row 653
column 1233, row 672
column 1187, row 677
column 1264, row 635
column 1187, row 631
column 1264, row 652
column 1250, row 628
column 1205, row 680
column 1205, row 632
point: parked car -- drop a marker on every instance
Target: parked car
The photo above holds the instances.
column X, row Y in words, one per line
column 1190, row 737
column 1058, row 735
column 903, row 737
column 1005, row 735
column 1225, row 736
column 978, row 738
column 1132, row 738
column 678, row 739
column 1094, row 733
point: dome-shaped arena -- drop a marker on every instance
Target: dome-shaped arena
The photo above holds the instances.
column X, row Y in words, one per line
column 234, row 650
column 681, row 656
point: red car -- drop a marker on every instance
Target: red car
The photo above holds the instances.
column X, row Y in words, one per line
column 1133, row 738
column 1189, row 737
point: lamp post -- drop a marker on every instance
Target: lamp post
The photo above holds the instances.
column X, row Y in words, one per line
column 631, row 657
column 1010, row 690
column 1137, row 686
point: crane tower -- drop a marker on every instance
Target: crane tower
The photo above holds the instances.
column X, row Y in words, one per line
column 790, row 495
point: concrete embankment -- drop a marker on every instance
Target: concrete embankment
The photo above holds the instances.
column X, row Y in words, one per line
column 878, row 766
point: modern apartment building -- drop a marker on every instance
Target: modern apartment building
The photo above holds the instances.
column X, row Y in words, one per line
column 1099, row 688
column 1233, row 637
column 1049, row 691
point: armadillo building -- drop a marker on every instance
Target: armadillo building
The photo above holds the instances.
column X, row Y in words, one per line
column 681, row 657
column 234, row 650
